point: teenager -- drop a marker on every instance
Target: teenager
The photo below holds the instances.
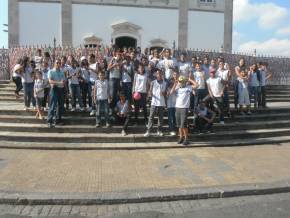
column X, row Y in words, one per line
column 204, row 118
column 123, row 113
column 39, row 86
column 16, row 77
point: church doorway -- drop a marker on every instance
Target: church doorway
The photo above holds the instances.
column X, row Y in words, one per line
column 126, row 41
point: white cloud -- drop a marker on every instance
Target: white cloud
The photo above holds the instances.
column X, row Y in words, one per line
column 283, row 31
column 268, row 15
column 273, row 46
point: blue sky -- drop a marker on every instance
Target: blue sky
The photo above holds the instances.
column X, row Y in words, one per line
column 258, row 24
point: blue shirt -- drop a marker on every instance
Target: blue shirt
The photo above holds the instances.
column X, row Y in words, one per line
column 56, row 75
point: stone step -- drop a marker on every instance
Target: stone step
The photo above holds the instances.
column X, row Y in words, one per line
column 136, row 138
column 142, row 146
column 116, row 128
column 85, row 120
column 8, row 82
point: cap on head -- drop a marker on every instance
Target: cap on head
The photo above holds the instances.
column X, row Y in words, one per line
column 212, row 70
column 182, row 79
column 83, row 58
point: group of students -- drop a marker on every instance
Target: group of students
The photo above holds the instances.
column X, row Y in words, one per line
column 118, row 87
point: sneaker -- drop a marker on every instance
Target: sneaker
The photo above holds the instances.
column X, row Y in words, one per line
column 34, row 108
column 222, row 122
column 159, row 133
column 98, row 125
column 82, row 109
column 26, row 109
column 93, row 113
column 73, row 109
column 180, row 141
column 173, row 133
column 50, row 125
column 249, row 113
column 123, row 133
column 108, row 125
column 147, row 134
column 185, row 142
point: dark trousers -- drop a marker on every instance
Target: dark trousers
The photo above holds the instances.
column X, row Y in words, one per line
column 262, row 96
column 199, row 95
column 202, row 124
column 56, row 104
column 102, row 106
column 114, row 91
column 18, row 83
column 171, row 119
column 66, row 95
column 236, row 93
column 141, row 104
column 254, row 92
column 153, row 111
column 124, row 121
column 86, row 93
column 127, row 89
column 219, row 103
column 226, row 102
column 46, row 95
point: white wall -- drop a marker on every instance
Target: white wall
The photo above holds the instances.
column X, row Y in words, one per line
column 39, row 23
column 205, row 30
column 93, row 19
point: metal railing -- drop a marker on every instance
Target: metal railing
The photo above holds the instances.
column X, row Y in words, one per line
column 279, row 66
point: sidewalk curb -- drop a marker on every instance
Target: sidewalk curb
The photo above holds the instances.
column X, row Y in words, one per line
column 144, row 196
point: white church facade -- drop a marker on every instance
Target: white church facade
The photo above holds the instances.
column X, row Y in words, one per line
column 200, row 24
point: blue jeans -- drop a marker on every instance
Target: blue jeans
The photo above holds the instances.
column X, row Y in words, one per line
column 102, row 106
column 254, row 91
column 76, row 93
column 28, row 94
column 56, row 104
column 171, row 119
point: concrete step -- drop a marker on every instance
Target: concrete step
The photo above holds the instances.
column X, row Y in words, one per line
column 78, row 120
column 141, row 145
column 133, row 129
column 135, row 138
column 5, row 82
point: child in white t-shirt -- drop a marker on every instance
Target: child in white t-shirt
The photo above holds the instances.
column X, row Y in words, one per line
column 183, row 92
column 157, row 92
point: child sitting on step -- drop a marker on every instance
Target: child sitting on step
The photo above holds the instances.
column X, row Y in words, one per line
column 123, row 112
column 39, row 86
column 204, row 118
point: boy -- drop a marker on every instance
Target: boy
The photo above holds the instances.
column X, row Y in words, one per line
column 215, row 87
column 123, row 112
column 183, row 92
column 39, row 86
column 101, row 98
column 264, row 76
column 204, row 118
column 158, row 92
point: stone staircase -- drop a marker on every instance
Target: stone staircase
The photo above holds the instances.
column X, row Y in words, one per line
column 19, row 129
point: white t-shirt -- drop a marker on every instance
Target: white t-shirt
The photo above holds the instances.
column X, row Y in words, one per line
column 157, row 98
column 14, row 71
column 73, row 73
column 200, row 79
column 141, row 83
column 45, row 77
column 102, row 89
column 216, row 86
column 126, row 78
column 224, row 74
column 167, row 64
column 93, row 70
column 183, row 97
column 38, row 60
column 39, row 86
column 184, row 69
column 123, row 108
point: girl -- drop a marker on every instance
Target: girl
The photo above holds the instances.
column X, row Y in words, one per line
column 17, row 72
column 254, row 83
column 183, row 92
column 28, row 82
column 141, row 86
column 39, row 86
column 244, row 100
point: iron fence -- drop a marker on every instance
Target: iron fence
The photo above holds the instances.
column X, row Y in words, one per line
column 279, row 66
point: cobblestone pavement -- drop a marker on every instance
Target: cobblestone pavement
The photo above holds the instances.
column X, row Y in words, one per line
column 36, row 171
column 267, row 206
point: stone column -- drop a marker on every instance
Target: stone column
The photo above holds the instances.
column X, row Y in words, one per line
column 183, row 24
column 66, row 22
column 228, row 26
column 13, row 23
